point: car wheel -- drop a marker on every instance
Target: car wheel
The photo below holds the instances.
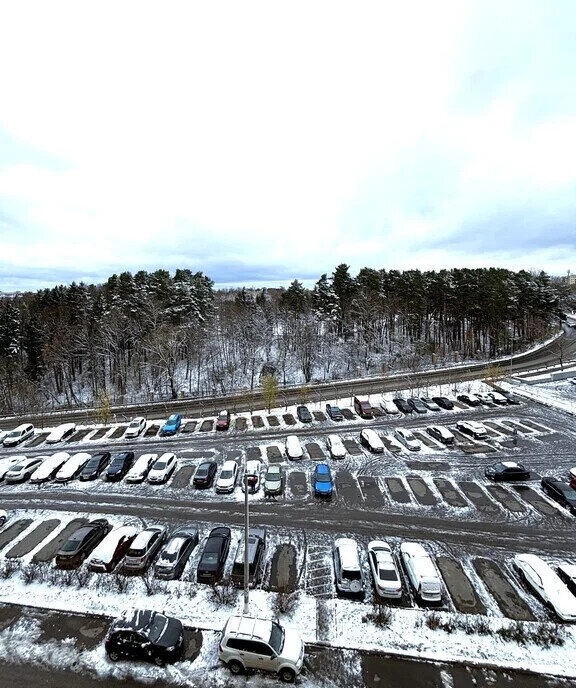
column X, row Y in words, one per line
column 158, row 661
column 287, row 675
column 114, row 656
column 235, row 667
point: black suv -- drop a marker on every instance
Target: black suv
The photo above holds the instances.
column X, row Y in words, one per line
column 213, row 559
column 204, row 476
column 561, row 492
column 147, row 635
column 119, row 465
column 304, row 415
column 81, row 543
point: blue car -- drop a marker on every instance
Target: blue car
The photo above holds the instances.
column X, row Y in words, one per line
column 323, row 483
column 172, row 425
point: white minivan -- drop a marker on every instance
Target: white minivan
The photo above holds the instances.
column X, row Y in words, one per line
column 19, row 434
column 421, row 572
column 293, row 447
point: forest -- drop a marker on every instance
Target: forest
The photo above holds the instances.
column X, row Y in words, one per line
column 153, row 335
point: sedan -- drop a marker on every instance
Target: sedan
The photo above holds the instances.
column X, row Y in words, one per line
column 274, row 480
column 172, row 425
column 137, row 427
column 402, row 405
column 110, row 552
column 561, row 492
column 444, row 402
column 214, row 554
column 335, row 447
column 120, row 464
column 370, row 440
column 304, row 415
column 62, row 432
column 162, row 468
column 506, row 470
column 205, row 473
column 547, row 585
column 389, row 407
column 469, row 399
column 323, row 483
column 228, row 475
column 81, row 543
column 49, row 467
column 139, row 471
column 417, row 405
column 175, row 553
column 95, row 466
column 430, row 404
column 440, row 433
column 407, row 438
column 384, row 570
column 71, row 468
column 334, row 412
column 22, row 471
column 145, row 635
column 223, row 420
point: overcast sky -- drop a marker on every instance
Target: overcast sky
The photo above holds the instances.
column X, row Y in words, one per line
column 260, row 142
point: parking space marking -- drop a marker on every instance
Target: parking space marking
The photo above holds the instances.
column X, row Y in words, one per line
column 449, row 493
column 33, row 539
column 461, row 590
column 50, row 548
column 506, row 498
column 478, row 497
column 506, row 596
column 397, row 490
column 530, row 495
column 13, row 531
column 373, row 496
column 318, row 580
column 421, row 491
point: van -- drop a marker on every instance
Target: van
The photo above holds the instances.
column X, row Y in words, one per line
column 256, row 548
column 363, row 408
column 421, row 572
column 19, row 434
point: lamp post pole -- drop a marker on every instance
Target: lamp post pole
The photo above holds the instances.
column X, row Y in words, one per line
column 246, row 528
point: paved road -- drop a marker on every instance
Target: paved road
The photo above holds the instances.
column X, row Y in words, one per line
column 562, row 349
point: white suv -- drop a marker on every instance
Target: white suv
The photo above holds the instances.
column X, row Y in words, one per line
column 251, row 643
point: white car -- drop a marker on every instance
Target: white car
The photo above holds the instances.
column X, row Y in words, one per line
column 62, row 432
column 407, row 438
column 335, row 447
column 293, row 447
column 22, row 470
column 371, row 441
column 49, row 467
column 252, row 476
column 440, row 433
column 162, row 468
column 136, row 427
column 141, row 468
column 498, row 398
column 389, row 407
column 384, row 570
column 421, row 572
column 7, row 463
column 547, row 585
column 3, row 434
column 227, row 479
column 18, row 435
column 71, row 469
column 106, row 555
column 472, row 428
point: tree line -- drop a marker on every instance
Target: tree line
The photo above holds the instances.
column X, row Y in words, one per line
column 156, row 335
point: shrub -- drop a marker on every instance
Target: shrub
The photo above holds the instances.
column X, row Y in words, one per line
column 32, row 572
column 225, row 593
column 82, row 577
column 381, row 615
column 121, row 583
column 153, row 585
column 286, row 602
column 9, row 567
column 515, row 631
column 548, row 634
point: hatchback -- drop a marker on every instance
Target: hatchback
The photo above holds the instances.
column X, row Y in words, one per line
column 22, row 471
column 81, row 543
column 214, row 554
column 145, row 635
column 175, row 553
column 228, row 475
column 304, row 415
column 223, row 420
column 144, row 548
column 172, row 425
column 323, row 483
column 273, row 480
column 119, row 466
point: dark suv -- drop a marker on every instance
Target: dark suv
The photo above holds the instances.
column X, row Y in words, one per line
column 334, row 412
column 81, row 543
column 213, row 559
column 304, row 415
column 561, row 492
column 144, row 634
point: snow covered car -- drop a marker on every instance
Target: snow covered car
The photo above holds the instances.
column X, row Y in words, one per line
column 251, row 476
column 141, row 468
column 469, row 399
column 547, row 585
column 430, row 404
column 144, row 548
column 421, row 572
column 385, row 573
column 407, row 438
column 567, row 574
column 485, row 399
column 370, row 440
column 172, row 425
column 18, row 435
column 162, row 468
column 62, row 432
column 108, row 554
column 227, row 479
column 72, row 468
column 137, row 427
column 498, row 398
column 440, row 433
column 175, row 553
column 335, row 447
column 293, row 447
column 389, row 407
column 472, row 428
column 22, row 470
column 506, row 471
column 7, row 463
column 49, row 467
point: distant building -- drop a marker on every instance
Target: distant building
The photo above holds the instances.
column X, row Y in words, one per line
column 569, row 279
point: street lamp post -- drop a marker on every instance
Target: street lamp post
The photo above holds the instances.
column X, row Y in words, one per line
column 246, row 528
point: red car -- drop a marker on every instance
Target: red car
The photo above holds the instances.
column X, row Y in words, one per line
column 223, row 420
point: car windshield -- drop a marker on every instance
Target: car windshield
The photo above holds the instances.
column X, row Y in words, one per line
column 71, row 545
column 134, row 424
column 17, row 467
column 499, row 467
column 172, row 419
column 93, row 463
column 159, row 465
column 225, row 475
column 323, row 478
column 157, row 628
column 387, row 574
column 14, row 433
column 209, row 558
column 273, row 477
column 276, row 641
column 117, row 462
